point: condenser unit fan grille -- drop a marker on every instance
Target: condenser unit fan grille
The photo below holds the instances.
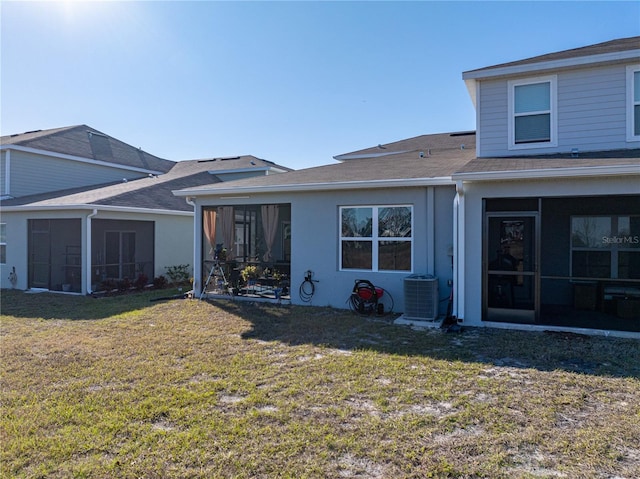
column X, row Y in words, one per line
column 421, row 297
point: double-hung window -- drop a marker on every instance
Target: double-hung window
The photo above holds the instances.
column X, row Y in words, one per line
column 376, row 238
column 633, row 103
column 533, row 113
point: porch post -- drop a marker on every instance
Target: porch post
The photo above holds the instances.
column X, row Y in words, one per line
column 197, row 247
column 88, row 250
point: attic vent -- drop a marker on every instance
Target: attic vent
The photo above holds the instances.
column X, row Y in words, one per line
column 229, row 158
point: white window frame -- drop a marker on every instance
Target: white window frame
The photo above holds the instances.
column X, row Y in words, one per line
column 3, row 241
column 553, row 113
column 375, row 239
column 631, row 71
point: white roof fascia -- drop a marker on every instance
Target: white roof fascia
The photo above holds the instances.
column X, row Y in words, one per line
column 573, row 172
column 347, row 185
column 360, row 156
column 470, row 78
column 551, row 65
column 77, row 158
column 120, row 209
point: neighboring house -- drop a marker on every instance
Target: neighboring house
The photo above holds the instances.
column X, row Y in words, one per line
column 68, row 188
column 536, row 221
column 556, row 185
column 382, row 214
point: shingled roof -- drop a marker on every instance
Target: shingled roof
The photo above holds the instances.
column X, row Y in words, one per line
column 564, row 163
column 153, row 192
column 85, row 142
column 613, row 46
column 426, row 158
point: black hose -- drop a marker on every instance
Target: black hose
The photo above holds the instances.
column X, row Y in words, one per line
column 307, row 288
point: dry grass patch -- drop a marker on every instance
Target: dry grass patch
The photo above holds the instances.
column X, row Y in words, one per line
column 126, row 387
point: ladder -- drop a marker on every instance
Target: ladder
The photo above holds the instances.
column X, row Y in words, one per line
column 215, row 273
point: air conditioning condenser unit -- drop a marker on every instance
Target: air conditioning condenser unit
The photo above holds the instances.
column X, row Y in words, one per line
column 421, row 297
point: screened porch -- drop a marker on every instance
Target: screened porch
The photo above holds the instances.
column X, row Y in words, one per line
column 246, row 250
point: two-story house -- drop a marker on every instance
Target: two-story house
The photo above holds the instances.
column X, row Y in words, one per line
column 81, row 208
column 548, row 214
column 533, row 221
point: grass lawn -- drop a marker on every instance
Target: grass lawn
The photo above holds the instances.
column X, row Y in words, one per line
column 131, row 388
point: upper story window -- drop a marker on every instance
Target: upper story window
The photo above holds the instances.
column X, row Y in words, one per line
column 376, row 238
column 633, row 103
column 533, row 113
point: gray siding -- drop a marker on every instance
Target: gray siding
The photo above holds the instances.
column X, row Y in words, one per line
column 591, row 113
column 3, row 159
column 33, row 174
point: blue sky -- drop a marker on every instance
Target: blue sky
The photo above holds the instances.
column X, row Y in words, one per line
column 292, row 82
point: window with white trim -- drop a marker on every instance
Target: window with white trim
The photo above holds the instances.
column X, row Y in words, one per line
column 3, row 243
column 633, row 103
column 376, row 238
column 533, row 113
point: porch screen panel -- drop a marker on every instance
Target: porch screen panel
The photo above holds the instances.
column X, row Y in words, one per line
column 39, row 254
column 605, row 247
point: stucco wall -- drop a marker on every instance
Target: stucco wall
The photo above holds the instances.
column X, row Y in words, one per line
column 315, row 239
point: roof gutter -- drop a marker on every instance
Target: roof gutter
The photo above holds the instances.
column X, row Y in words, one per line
column 307, row 187
column 573, row 172
column 119, row 209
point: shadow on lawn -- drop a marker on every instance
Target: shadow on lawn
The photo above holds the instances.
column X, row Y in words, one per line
column 520, row 349
column 47, row 305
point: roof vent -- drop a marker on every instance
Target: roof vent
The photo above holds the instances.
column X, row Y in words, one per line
column 382, row 147
column 462, row 146
column 421, row 154
column 574, row 153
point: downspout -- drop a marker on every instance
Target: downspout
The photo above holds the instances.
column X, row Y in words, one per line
column 458, row 252
column 88, row 251
column 197, row 266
